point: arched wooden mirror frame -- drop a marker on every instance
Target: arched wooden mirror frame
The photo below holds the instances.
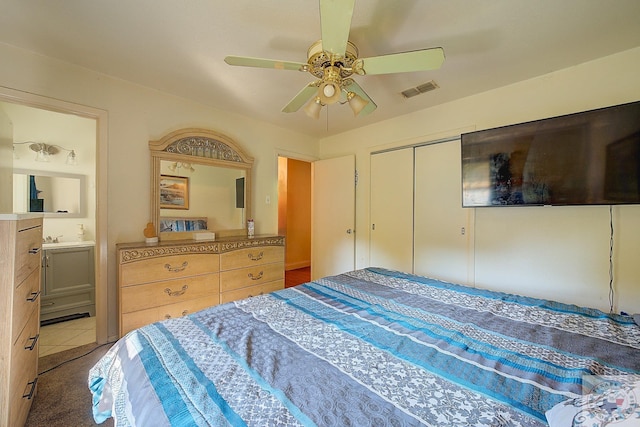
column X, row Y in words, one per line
column 199, row 147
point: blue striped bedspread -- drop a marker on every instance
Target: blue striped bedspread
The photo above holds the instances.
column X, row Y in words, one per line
column 371, row 347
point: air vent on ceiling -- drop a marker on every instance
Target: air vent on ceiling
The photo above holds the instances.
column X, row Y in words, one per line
column 425, row 87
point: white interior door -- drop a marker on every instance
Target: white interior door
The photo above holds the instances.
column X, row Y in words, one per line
column 443, row 234
column 333, row 216
column 391, row 211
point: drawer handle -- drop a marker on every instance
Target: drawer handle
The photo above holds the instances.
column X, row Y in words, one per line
column 251, row 295
column 32, row 390
column 184, row 313
column 257, row 257
column 176, row 269
column 34, row 251
column 258, row 277
column 33, row 340
column 176, row 293
column 33, row 297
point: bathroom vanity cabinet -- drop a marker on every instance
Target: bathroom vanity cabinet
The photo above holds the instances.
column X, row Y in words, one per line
column 68, row 281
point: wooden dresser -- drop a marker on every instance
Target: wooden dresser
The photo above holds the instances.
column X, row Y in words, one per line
column 174, row 278
column 20, row 246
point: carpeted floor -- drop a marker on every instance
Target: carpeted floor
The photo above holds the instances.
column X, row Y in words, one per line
column 63, row 398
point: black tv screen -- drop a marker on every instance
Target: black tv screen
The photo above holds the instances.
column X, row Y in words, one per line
column 588, row 158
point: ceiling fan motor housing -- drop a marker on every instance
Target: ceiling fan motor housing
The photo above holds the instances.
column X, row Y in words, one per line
column 319, row 59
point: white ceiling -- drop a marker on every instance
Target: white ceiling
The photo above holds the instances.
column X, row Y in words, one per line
column 178, row 46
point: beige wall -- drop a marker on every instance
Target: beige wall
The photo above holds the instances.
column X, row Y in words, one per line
column 568, row 259
column 136, row 115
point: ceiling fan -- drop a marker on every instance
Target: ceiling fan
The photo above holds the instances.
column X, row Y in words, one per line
column 334, row 59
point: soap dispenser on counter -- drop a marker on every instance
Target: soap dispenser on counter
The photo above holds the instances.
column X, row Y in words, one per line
column 80, row 233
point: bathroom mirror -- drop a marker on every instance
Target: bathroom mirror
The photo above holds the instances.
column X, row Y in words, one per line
column 199, row 176
column 56, row 194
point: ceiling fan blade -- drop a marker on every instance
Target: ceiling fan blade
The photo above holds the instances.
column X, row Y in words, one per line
column 352, row 86
column 418, row 60
column 245, row 61
column 335, row 21
column 301, row 98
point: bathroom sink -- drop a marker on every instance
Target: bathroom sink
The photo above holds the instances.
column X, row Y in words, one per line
column 61, row 245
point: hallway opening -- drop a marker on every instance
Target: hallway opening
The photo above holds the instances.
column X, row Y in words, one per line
column 294, row 217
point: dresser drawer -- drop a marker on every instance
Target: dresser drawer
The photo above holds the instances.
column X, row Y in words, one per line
column 167, row 267
column 250, row 276
column 251, row 257
column 137, row 319
column 24, row 372
column 28, row 249
column 26, row 300
column 251, row 291
column 140, row 297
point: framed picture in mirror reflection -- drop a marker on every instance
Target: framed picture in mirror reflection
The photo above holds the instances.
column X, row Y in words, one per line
column 174, row 192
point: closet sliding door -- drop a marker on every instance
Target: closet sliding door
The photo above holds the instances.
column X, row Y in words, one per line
column 442, row 228
column 391, row 209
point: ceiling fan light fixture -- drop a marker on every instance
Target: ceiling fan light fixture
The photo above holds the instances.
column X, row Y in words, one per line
column 356, row 102
column 329, row 92
column 313, row 108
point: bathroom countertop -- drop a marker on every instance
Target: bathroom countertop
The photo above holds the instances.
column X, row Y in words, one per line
column 62, row 245
column 18, row 216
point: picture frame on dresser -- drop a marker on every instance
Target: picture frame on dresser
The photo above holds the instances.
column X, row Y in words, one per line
column 174, row 192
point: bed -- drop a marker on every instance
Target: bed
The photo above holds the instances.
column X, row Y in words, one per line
column 375, row 347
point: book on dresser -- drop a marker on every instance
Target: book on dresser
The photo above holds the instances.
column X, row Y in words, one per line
column 174, row 278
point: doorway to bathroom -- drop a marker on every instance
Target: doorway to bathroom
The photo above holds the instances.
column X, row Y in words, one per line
column 55, row 157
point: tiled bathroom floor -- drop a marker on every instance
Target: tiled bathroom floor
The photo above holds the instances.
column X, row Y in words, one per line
column 65, row 335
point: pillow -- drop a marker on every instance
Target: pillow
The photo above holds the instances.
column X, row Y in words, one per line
column 609, row 400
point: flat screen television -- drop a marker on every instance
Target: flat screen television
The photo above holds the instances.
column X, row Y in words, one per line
column 588, row 158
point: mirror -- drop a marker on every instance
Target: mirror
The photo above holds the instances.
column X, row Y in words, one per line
column 204, row 191
column 201, row 180
column 53, row 193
